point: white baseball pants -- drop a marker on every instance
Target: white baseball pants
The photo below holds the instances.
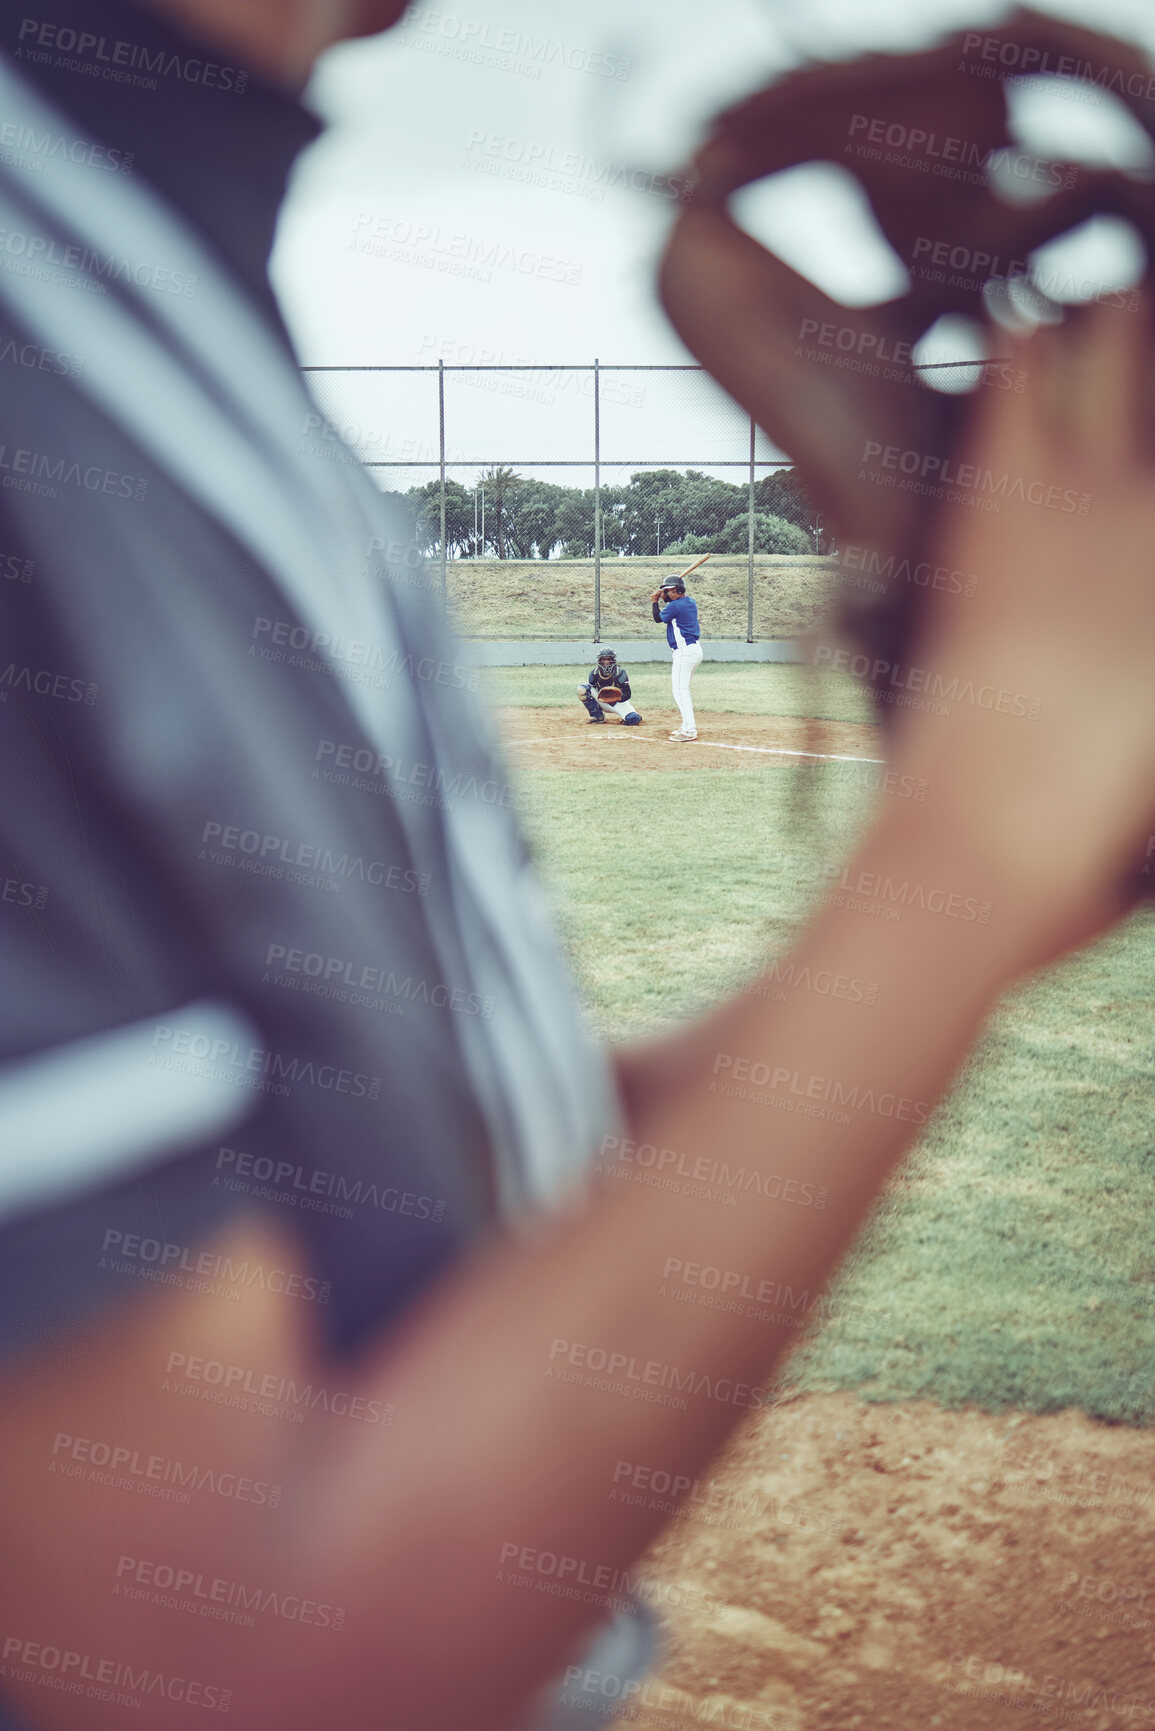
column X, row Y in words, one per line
column 686, row 659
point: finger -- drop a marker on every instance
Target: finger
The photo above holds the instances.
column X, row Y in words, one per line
column 1106, row 362
column 744, row 314
column 1019, row 430
column 1086, row 396
column 1085, row 400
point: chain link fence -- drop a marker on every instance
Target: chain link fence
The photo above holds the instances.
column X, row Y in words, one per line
column 550, row 500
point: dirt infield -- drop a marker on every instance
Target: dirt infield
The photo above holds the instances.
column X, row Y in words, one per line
column 551, row 739
column 900, row 1567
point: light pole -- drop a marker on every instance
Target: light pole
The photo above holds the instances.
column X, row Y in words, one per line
column 479, row 543
column 658, row 530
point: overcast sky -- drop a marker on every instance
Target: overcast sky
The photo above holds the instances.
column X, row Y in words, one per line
column 463, row 204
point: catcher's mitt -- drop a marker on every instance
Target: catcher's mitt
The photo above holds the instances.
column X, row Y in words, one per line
column 609, row 694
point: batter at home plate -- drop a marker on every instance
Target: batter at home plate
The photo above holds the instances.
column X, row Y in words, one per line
column 678, row 612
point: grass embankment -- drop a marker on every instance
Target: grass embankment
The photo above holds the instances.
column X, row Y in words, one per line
column 555, row 597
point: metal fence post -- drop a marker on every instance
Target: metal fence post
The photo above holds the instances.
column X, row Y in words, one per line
column 750, row 546
column 597, row 505
column 441, row 421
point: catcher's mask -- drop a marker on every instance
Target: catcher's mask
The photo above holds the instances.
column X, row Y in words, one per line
column 607, row 656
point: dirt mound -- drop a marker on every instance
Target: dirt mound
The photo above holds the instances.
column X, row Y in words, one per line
column 900, row 1567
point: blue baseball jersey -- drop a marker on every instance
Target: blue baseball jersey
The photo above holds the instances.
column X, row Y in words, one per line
column 680, row 617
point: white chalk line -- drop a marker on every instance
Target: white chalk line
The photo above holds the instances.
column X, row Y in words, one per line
column 721, row 745
column 783, row 751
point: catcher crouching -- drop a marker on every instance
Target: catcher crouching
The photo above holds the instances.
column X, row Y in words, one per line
column 609, row 688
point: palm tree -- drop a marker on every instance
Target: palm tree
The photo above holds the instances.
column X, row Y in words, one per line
column 499, row 483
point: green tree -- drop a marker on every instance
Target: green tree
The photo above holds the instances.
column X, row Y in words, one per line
column 575, row 523
column 663, row 506
column 652, row 510
column 657, row 510
column 616, row 520
column 777, row 535
column 782, row 494
column 500, row 484
column 422, row 507
column 530, row 517
column 691, row 544
column 771, row 535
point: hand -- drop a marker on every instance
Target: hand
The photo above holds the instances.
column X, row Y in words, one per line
column 657, row 595
column 1063, row 618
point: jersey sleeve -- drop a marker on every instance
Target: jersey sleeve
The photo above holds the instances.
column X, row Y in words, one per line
column 104, row 1126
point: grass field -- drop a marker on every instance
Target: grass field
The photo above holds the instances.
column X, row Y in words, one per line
column 1012, row 1262
column 743, row 688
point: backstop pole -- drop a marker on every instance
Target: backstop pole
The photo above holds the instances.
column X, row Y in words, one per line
column 750, row 546
column 441, row 427
column 597, row 505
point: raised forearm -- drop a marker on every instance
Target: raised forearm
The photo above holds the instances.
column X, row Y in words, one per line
column 474, row 1538
column 530, row 1378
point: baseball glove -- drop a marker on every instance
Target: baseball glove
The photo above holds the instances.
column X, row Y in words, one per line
column 610, row 694
column 770, row 336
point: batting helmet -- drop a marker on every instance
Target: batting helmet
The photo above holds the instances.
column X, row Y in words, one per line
column 676, row 581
